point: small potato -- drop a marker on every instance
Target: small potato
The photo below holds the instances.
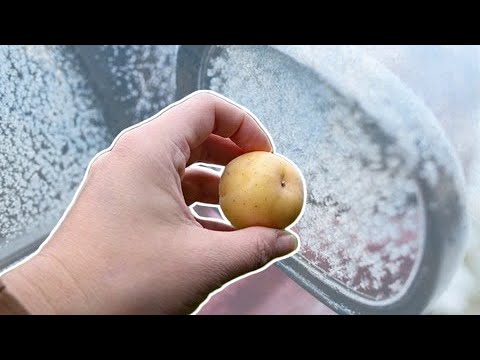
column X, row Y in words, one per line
column 261, row 189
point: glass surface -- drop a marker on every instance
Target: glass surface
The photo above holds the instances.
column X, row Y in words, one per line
column 363, row 226
column 53, row 120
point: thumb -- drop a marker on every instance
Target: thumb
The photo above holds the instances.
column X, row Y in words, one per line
column 242, row 251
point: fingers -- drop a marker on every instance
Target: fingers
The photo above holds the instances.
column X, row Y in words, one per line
column 200, row 184
column 188, row 125
column 215, row 150
column 242, row 251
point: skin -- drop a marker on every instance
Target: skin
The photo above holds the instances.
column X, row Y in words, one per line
column 129, row 243
column 261, row 189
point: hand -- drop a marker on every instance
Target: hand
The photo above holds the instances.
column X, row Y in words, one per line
column 129, row 242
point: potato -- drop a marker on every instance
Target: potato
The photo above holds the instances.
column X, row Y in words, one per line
column 261, row 189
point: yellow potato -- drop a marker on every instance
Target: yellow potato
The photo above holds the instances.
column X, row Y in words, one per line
column 261, row 189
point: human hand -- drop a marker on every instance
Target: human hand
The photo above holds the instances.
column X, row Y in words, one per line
column 129, row 242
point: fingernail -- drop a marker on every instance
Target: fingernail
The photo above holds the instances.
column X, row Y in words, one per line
column 286, row 243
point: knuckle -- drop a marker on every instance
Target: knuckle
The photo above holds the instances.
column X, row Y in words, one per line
column 127, row 147
column 130, row 147
column 208, row 268
column 204, row 95
column 204, row 99
column 127, row 143
column 99, row 164
column 263, row 252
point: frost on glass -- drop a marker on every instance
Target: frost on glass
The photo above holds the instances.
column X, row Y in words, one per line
column 59, row 106
column 363, row 221
column 50, row 127
column 135, row 81
column 363, row 225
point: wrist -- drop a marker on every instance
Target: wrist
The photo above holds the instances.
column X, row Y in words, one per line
column 41, row 287
column 9, row 304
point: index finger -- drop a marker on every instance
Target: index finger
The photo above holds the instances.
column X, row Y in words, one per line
column 202, row 113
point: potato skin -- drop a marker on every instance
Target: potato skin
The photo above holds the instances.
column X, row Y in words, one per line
column 261, row 189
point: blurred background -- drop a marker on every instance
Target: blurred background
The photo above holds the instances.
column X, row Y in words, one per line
column 447, row 79
column 53, row 121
